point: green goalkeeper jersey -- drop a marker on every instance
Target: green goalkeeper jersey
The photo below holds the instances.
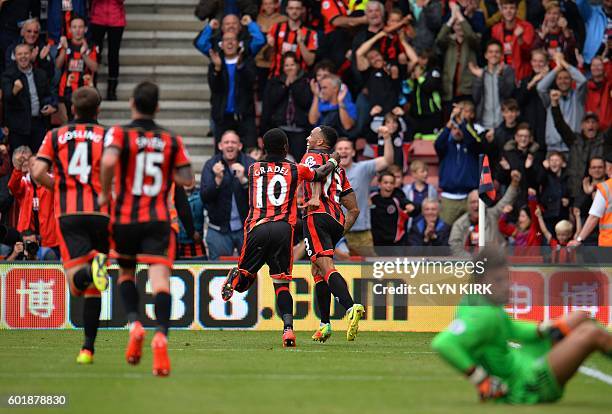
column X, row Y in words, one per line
column 481, row 335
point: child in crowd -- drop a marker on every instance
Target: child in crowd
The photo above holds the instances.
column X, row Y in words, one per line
column 255, row 152
column 192, row 247
column 397, row 127
column 495, row 139
column 389, row 211
column 554, row 190
column 419, row 189
column 560, row 253
column 526, row 233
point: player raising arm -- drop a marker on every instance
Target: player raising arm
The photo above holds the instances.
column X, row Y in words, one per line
column 268, row 233
column 477, row 343
column 73, row 153
column 324, row 226
column 144, row 159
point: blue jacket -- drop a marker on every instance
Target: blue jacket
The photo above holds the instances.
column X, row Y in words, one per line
column 197, row 212
column 417, row 233
column 254, row 40
column 218, row 200
column 54, row 13
column 595, row 22
column 458, row 161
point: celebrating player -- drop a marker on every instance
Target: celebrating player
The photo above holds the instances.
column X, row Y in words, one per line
column 73, row 152
column 273, row 185
column 324, row 226
column 477, row 344
column 146, row 158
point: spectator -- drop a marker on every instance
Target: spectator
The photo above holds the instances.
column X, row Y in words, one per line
column 331, row 105
column 464, row 233
column 78, row 62
column 534, row 112
column 563, row 230
column 59, row 15
column 516, row 37
column 583, row 202
column 461, row 45
column 419, row 189
column 267, row 18
column 39, row 50
column 36, row 209
column 474, row 16
column 523, row 155
column 396, row 127
column 231, row 76
column 526, row 233
column 250, row 41
column 224, row 193
column 292, row 36
column 427, row 22
column 360, row 174
column 582, row 146
column 429, row 229
column 29, row 248
column 27, row 101
column 425, row 83
column 597, row 22
column 337, row 39
column 458, row 152
column 12, row 14
column 554, row 191
column 286, row 104
column 389, row 211
column 492, row 12
column 216, row 9
column 491, row 86
column 599, row 93
column 571, row 104
column 554, row 35
column 107, row 17
column 495, row 139
column 191, row 246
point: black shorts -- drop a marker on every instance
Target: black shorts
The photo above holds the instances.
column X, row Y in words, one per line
column 150, row 243
column 82, row 236
column 269, row 243
column 321, row 234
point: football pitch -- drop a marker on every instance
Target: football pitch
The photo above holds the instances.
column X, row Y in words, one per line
column 250, row 372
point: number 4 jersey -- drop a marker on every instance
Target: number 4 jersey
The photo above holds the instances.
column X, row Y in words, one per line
column 148, row 157
column 273, row 185
column 74, row 152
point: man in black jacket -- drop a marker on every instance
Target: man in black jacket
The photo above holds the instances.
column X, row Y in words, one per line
column 27, row 101
column 12, row 14
column 224, row 192
column 231, row 77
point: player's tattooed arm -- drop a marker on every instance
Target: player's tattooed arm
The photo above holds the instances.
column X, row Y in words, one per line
column 107, row 170
column 323, row 171
column 40, row 173
column 349, row 202
column 184, row 175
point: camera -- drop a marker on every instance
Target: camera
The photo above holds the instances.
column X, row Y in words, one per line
column 31, row 249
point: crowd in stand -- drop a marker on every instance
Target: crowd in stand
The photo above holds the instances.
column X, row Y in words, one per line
column 527, row 83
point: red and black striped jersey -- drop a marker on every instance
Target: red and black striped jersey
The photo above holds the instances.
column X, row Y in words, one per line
column 273, row 186
column 75, row 72
column 148, row 157
column 330, row 9
column 334, row 187
column 285, row 40
column 74, row 152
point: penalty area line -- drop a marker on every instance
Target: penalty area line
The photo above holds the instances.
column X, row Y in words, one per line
column 595, row 373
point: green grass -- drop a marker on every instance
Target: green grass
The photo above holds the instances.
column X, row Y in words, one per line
column 249, row 372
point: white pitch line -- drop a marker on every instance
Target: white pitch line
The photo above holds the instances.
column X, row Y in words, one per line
column 595, row 373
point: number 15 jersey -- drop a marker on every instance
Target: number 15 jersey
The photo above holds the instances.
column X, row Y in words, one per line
column 273, row 186
column 148, row 156
column 73, row 153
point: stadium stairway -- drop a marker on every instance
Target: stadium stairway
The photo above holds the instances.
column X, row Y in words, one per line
column 157, row 46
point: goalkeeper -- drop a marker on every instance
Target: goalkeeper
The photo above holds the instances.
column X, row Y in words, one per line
column 477, row 343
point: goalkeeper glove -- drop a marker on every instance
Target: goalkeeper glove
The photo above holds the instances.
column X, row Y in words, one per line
column 488, row 386
column 555, row 330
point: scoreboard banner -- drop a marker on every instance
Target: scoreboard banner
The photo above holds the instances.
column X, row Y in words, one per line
column 36, row 296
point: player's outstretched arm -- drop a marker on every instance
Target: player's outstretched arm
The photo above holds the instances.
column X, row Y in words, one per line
column 321, row 173
column 40, row 173
column 349, row 202
column 183, row 176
